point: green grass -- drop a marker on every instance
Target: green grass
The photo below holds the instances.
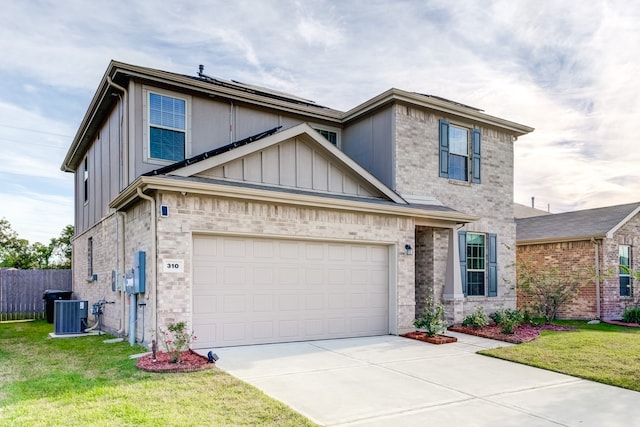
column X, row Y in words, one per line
column 82, row 381
column 605, row 353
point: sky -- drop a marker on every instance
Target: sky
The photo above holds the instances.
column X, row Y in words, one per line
column 570, row 69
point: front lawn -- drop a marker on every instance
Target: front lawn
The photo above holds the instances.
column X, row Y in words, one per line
column 83, row 381
column 605, row 353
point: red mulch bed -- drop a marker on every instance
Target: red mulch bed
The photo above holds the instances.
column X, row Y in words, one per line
column 523, row 333
column 190, row 361
column 422, row 336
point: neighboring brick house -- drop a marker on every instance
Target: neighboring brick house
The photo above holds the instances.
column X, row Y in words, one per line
column 265, row 217
column 593, row 240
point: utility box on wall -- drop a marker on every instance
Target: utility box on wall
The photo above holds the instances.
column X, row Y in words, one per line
column 70, row 316
column 139, row 265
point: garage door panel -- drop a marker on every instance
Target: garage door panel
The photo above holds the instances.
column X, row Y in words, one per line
column 233, row 331
column 250, row 291
column 314, row 328
column 288, row 250
column 359, row 254
column 205, row 304
column 262, row 330
column 288, row 329
column 314, row 302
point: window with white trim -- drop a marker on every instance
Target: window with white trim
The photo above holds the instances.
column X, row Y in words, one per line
column 167, row 121
column 478, row 263
column 85, row 179
column 90, row 257
column 475, row 264
column 460, row 153
column 331, row 134
column 624, row 261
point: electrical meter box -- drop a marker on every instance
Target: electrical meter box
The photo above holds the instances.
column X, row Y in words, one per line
column 139, row 280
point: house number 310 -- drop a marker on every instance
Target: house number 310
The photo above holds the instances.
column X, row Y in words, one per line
column 173, row 266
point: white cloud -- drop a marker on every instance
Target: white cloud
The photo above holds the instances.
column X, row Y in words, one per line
column 568, row 69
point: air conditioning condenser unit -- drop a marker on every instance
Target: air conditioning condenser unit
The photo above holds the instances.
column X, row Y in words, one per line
column 70, row 316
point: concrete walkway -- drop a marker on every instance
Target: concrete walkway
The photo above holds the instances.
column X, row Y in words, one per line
column 394, row 381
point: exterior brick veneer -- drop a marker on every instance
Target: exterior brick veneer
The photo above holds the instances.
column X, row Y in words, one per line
column 201, row 214
column 417, row 136
column 581, row 256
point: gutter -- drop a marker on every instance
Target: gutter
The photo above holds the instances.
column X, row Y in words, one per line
column 559, row 239
column 129, row 195
column 397, row 95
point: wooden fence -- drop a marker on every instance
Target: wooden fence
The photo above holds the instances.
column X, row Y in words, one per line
column 21, row 291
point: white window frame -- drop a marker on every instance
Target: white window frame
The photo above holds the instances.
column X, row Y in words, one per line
column 483, row 270
column 625, row 274
column 335, row 130
column 147, row 91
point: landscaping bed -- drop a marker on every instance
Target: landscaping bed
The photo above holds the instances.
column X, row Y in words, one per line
column 436, row 339
column 523, row 333
column 190, row 361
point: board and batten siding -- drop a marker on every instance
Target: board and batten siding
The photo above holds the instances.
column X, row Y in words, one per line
column 294, row 164
column 104, row 173
column 369, row 142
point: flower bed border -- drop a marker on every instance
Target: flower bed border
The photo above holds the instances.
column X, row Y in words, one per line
column 437, row 339
column 190, row 362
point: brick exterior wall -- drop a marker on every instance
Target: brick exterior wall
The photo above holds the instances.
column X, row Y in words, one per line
column 613, row 305
column 417, row 173
column 570, row 258
column 580, row 256
column 206, row 214
column 106, row 243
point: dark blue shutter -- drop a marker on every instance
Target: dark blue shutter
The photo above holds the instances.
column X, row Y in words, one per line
column 462, row 250
column 444, row 148
column 475, row 158
column 493, row 265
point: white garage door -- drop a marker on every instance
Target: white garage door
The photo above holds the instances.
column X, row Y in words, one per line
column 253, row 290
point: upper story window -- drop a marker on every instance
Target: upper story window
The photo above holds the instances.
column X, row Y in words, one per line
column 459, row 152
column 624, row 261
column 85, row 179
column 331, row 134
column 167, row 118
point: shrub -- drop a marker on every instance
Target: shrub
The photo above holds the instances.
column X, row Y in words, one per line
column 478, row 319
column 432, row 319
column 549, row 288
column 631, row 315
column 508, row 319
column 176, row 339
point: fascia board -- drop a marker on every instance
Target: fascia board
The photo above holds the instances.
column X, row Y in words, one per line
column 89, row 117
column 159, row 183
column 611, row 232
column 397, row 95
column 212, row 90
column 560, row 239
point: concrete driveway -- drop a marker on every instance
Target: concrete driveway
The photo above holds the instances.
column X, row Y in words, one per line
column 394, row 381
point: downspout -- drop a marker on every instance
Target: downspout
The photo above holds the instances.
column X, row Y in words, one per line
column 120, row 236
column 597, row 269
column 153, row 262
column 125, row 131
column 120, row 251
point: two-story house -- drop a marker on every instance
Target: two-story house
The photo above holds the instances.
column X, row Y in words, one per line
column 261, row 217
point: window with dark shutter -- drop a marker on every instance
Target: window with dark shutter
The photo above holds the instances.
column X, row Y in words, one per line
column 459, row 153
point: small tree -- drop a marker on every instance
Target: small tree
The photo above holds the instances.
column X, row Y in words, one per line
column 549, row 288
